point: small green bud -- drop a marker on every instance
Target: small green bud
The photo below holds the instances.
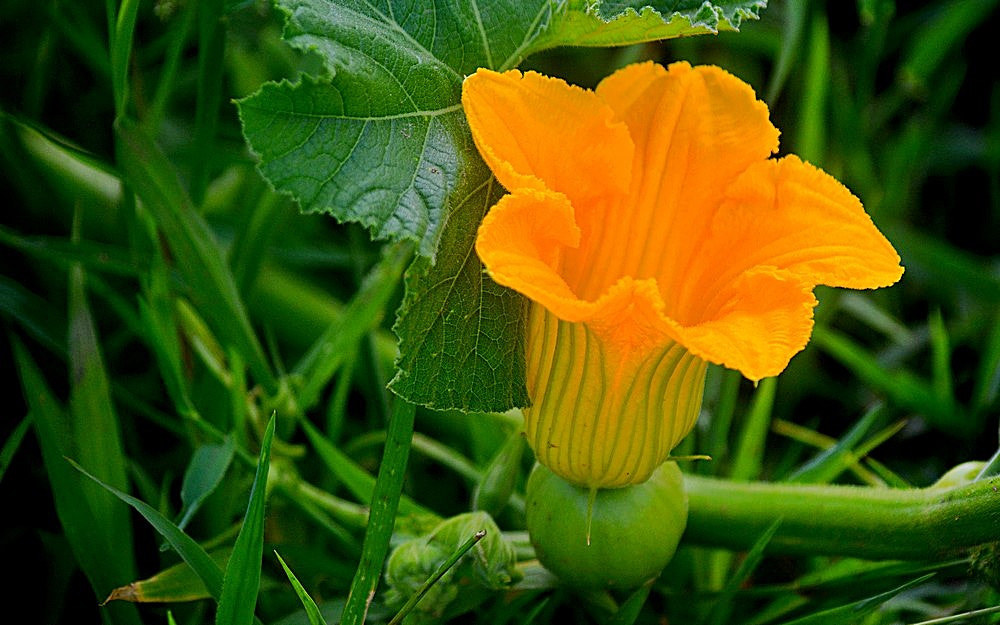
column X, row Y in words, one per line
column 494, row 490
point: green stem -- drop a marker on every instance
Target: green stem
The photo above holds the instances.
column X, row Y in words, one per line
column 873, row 523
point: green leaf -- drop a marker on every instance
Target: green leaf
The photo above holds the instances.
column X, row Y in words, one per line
column 203, row 475
column 461, row 336
column 722, row 607
column 354, row 478
column 623, row 22
column 382, row 140
column 13, row 443
column 242, row 579
column 632, row 607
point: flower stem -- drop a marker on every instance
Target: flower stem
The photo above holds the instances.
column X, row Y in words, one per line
column 875, row 523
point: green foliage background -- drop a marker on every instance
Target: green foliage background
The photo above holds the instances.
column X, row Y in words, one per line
column 160, row 301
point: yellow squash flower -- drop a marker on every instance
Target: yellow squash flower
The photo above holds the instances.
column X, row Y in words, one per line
column 653, row 234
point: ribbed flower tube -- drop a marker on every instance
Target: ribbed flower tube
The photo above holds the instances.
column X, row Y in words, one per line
column 603, row 420
column 653, row 234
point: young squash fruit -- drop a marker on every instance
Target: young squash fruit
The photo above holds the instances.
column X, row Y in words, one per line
column 622, row 538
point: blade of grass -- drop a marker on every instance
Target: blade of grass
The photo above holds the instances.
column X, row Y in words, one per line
column 13, row 443
column 902, row 387
column 33, row 314
column 944, row 266
column 722, row 607
column 86, row 539
column 185, row 546
column 852, row 613
column 629, row 611
column 157, row 316
column 242, row 578
column 959, row 618
column 199, row 257
column 167, row 83
column 203, row 475
column 812, row 438
column 248, row 251
column 211, row 50
column 312, row 610
column 121, row 33
column 95, row 430
column 85, row 38
column 342, row 337
column 796, row 12
column 358, row 481
column 174, row 584
column 940, row 357
column 102, row 257
column 987, row 385
column 385, row 501
column 811, row 139
column 825, row 466
column 720, row 425
column 946, row 27
column 749, row 455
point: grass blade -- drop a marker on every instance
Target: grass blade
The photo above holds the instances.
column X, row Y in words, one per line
column 358, row 481
column 174, row 584
column 825, row 466
column 73, row 507
column 185, row 546
column 749, row 454
column 385, row 501
column 211, row 51
column 853, row 612
column 312, row 610
column 203, row 475
column 199, row 257
column 630, row 609
column 12, row 444
column 723, row 608
column 95, row 430
column 342, row 337
column 242, row 580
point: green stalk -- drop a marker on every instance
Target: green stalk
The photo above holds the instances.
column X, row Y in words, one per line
column 863, row 522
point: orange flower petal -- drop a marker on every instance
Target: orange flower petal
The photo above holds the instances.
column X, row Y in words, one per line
column 695, row 130
column 788, row 215
column 760, row 320
column 539, row 132
column 521, row 240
